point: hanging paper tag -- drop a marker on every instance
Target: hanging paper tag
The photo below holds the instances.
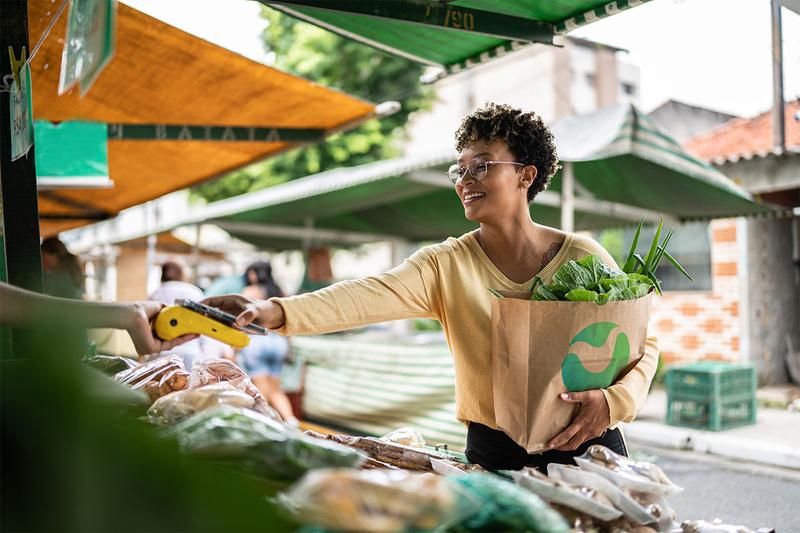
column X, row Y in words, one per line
column 21, row 114
column 90, row 43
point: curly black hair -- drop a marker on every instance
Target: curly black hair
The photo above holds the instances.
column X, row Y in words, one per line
column 526, row 135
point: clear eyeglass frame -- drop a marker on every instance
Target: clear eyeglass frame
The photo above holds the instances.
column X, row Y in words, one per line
column 477, row 168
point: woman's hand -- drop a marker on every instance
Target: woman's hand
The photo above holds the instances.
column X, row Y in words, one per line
column 140, row 328
column 248, row 310
column 592, row 420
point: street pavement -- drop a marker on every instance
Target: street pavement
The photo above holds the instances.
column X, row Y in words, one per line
column 738, row 492
column 773, row 440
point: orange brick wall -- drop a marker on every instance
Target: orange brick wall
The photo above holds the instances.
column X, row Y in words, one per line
column 690, row 325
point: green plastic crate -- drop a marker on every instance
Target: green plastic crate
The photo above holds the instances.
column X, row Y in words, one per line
column 711, row 395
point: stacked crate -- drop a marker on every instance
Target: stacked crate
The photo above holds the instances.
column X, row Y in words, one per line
column 711, row 395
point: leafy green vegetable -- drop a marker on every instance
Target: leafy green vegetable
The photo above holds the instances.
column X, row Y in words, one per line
column 647, row 265
column 677, row 265
column 591, row 280
column 495, row 292
column 545, row 293
column 257, row 445
column 597, row 269
column 582, row 295
column 573, row 275
column 630, row 262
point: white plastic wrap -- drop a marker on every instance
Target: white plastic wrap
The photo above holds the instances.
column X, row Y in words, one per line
column 639, row 476
column 715, row 526
column 158, row 377
column 587, row 500
column 662, row 515
column 405, row 436
column 372, row 500
column 210, row 371
column 176, row 406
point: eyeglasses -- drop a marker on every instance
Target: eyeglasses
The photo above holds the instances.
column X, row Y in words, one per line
column 477, row 168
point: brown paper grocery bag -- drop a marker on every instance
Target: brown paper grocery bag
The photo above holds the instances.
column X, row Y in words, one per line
column 543, row 348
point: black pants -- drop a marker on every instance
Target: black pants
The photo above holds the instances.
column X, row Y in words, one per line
column 494, row 450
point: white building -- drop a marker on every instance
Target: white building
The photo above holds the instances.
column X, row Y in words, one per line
column 579, row 77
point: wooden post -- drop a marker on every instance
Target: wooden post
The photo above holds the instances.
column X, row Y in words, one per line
column 20, row 211
column 19, row 236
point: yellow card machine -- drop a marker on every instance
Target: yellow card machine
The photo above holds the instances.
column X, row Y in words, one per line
column 189, row 318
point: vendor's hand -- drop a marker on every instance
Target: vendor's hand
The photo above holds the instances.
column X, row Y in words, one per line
column 140, row 329
column 248, row 310
column 592, row 420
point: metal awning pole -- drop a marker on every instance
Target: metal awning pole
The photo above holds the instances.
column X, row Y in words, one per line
column 778, row 119
column 567, row 197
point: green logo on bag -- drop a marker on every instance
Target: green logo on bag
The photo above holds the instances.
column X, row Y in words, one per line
column 575, row 376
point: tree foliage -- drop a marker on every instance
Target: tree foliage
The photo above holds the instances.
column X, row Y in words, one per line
column 336, row 62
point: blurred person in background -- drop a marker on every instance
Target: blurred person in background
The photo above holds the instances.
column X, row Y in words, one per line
column 318, row 273
column 263, row 358
column 63, row 275
column 174, row 286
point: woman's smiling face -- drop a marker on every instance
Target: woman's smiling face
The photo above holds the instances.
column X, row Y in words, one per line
column 499, row 192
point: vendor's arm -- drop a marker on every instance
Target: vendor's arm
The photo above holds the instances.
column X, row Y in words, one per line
column 403, row 292
column 26, row 309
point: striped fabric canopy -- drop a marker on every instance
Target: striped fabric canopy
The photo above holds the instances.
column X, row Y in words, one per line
column 163, row 79
column 374, row 388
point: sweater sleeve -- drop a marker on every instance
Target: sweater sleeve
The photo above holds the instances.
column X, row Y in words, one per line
column 403, row 292
column 627, row 396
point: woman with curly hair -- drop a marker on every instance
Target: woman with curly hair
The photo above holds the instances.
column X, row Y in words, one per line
column 506, row 157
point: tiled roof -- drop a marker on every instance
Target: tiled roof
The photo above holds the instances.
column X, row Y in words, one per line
column 745, row 138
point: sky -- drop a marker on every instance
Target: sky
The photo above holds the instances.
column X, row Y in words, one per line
column 710, row 53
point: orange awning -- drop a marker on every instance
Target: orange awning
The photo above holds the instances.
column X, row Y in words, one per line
column 161, row 75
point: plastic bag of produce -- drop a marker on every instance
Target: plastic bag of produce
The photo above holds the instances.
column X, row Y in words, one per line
column 110, row 364
column 503, row 506
column 257, row 444
column 210, row 371
column 587, row 500
column 157, row 378
column 405, row 436
column 639, row 476
column 451, row 467
column 376, row 501
column 640, row 508
column 176, row 406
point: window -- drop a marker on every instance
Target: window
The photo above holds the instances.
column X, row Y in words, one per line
column 690, row 246
column 628, row 89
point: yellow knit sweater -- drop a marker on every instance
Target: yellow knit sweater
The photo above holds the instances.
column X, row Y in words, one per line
column 448, row 281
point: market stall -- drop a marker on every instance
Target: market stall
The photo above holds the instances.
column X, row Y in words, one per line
column 398, row 482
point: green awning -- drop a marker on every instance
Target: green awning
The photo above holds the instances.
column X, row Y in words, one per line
column 407, row 198
column 620, row 155
column 625, row 170
column 455, row 34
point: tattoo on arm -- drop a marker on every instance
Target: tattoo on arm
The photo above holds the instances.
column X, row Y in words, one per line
column 550, row 254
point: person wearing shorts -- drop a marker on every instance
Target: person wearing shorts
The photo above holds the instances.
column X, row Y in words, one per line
column 263, row 358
